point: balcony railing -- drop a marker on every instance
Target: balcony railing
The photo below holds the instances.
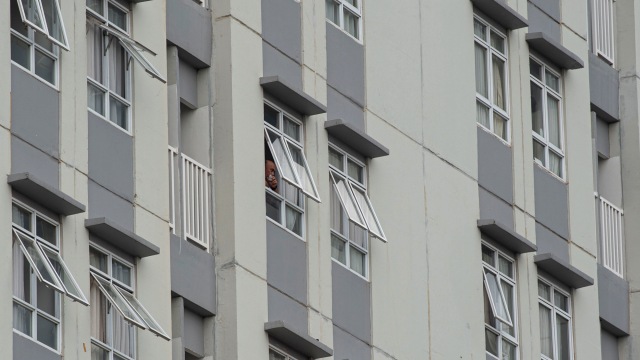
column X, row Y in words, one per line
column 611, row 236
column 603, row 29
column 194, row 197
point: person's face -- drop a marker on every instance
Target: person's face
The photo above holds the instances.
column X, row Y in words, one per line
column 269, row 168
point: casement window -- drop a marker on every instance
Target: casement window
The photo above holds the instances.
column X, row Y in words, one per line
column 283, row 136
column 353, row 218
column 40, row 277
column 31, row 47
column 499, row 280
column 115, row 311
column 546, row 118
column 277, row 354
column 603, row 29
column 555, row 322
column 492, row 85
column 110, row 51
column 347, row 15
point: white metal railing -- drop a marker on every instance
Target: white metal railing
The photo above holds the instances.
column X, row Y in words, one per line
column 603, row 29
column 195, row 200
column 611, row 236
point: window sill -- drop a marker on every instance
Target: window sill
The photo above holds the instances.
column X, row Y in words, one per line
column 488, row 131
column 551, row 173
column 351, row 271
column 359, row 41
column 128, row 132
column 285, row 229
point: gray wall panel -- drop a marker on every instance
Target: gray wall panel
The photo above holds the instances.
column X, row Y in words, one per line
column 551, row 202
column 286, row 262
column 193, row 275
column 103, row 202
column 604, row 88
column 340, row 107
column 492, row 207
column 24, row 348
column 276, row 63
column 613, row 295
column 110, row 157
column 351, row 296
column 540, row 21
column 345, row 64
column 548, row 242
column 26, row 158
column 193, row 336
column 189, row 28
column 188, row 84
column 609, row 182
column 495, row 166
column 551, row 7
column 609, row 346
column 282, row 307
column 35, row 112
column 602, row 138
column 282, row 26
column 345, row 346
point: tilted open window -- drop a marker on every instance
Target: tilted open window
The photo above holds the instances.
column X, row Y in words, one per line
column 45, row 17
column 496, row 297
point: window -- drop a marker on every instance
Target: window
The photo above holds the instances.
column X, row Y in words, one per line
column 115, row 311
column 284, row 151
column 492, row 85
column 546, row 118
column 603, row 29
column 352, row 215
column 32, row 49
column 347, row 15
column 40, row 276
column 499, row 304
column 276, row 354
column 110, row 51
column 555, row 322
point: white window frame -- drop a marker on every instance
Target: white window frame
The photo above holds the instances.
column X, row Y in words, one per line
column 556, row 311
column 544, row 140
column 120, row 297
column 281, row 353
column 490, row 102
column 355, row 10
column 496, row 329
column 44, row 29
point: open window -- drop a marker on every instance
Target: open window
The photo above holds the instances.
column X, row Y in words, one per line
column 496, row 298
column 45, row 17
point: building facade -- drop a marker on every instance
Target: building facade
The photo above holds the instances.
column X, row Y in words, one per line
column 134, row 134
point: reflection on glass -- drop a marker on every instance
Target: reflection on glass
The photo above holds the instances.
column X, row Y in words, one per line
column 293, row 220
column 21, row 319
column 357, row 261
column 20, row 52
column 535, row 69
column 47, row 332
column 95, row 98
column 538, row 152
column 118, row 113
column 482, row 115
column 497, row 42
column 273, row 207
column 44, row 67
column 21, row 217
column 338, row 250
column 479, row 29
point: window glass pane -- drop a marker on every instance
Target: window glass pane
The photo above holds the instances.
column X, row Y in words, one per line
column 555, row 163
column 336, row 159
column 21, row 217
column 123, row 335
column 499, row 83
column 497, row 42
column 552, row 81
column 482, row 85
column 43, row 40
column 275, row 356
column 562, row 333
column 482, row 115
column 338, row 249
column 348, row 201
column 505, row 266
column 553, row 115
column 96, row 5
column 351, row 23
column 355, row 171
column 116, row 299
column 508, row 292
column 535, row 69
column 45, row 67
column 119, row 113
column 20, row 52
column 561, row 301
column 545, row 331
column 118, row 69
column 488, row 256
column 491, row 342
column 46, row 299
column 16, row 19
column 98, row 260
column 333, row 11
column 538, row 152
column 144, row 314
column 35, row 254
column 480, row 29
column 21, row 275
column 98, row 353
column 353, row 3
column 47, row 332
column 537, row 120
column 32, row 13
column 121, row 272
column 271, row 116
column 500, row 126
column 284, row 166
column 293, row 220
column 291, row 128
column 95, row 48
column 508, row 351
column 64, row 275
column 46, row 231
column 273, row 207
column 99, row 309
column 293, row 194
column 357, row 261
column 54, row 21
column 495, row 292
column 337, row 213
column 118, row 17
column 367, row 210
column 544, row 291
column 488, row 313
column 302, row 169
column 22, row 319
column 358, row 235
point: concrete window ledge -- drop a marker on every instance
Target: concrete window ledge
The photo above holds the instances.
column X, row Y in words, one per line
column 297, row 340
column 505, row 236
column 554, row 51
column 120, row 237
column 562, row 271
column 355, row 138
column 294, row 98
column 502, row 13
column 45, row 194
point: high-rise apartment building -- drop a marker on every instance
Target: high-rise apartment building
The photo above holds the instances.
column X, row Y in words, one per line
column 443, row 179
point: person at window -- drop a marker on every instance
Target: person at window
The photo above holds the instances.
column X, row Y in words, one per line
column 270, row 179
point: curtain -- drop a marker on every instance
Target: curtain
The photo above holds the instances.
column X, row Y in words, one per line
column 21, row 289
column 499, row 89
column 562, row 331
column 94, row 52
column 121, row 272
column 553, row 114
column 499, row 125
column 98, row 313
column 545, row 331
column 537, row 121
column 337, row 223
column 117, row 68
column 481, row 70
column 123, row 334
column 293, row 220
column 357, row 261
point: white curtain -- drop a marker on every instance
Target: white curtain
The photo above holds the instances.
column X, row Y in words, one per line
column 293, row 222
column 555, row 163
column 498, row 83
column 356, row 260
column 537, row 122
column 481, row 70
column 553, row 111
column 98, row 314
column 545, row 332
column 94, row 52
column 123, row 335
column 21, row 277
column 337, row 216
column 117, row 68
